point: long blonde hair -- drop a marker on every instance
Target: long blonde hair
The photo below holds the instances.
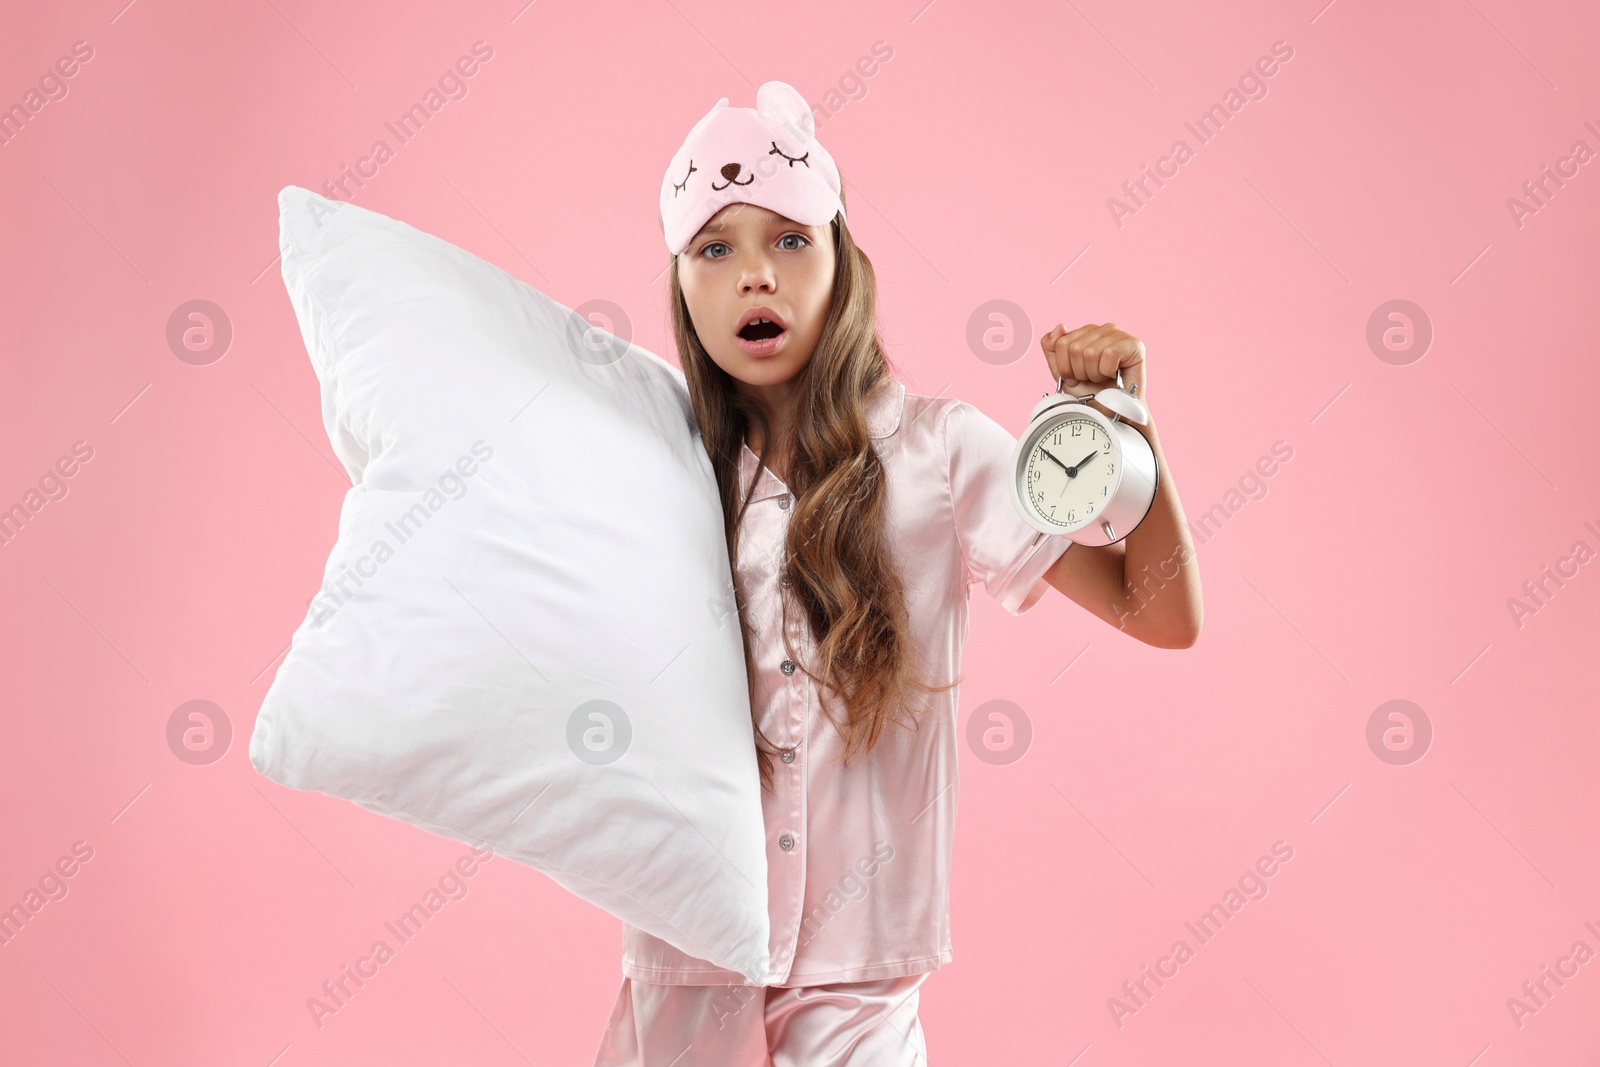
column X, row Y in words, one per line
column 837, row 561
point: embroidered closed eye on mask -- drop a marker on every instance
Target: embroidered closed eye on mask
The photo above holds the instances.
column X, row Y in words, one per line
column 767, row 155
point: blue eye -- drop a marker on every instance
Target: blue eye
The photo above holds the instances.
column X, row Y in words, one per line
column 802, row 238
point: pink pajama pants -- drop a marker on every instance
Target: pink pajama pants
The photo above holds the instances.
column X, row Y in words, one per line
column 847, row 1023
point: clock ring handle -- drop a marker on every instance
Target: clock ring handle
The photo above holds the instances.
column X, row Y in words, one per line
column 1131, row 390
column 1124, row 403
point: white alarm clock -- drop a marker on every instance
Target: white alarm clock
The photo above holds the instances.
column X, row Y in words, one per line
column 1082, row 474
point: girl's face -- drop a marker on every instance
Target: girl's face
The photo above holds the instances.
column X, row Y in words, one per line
column 746, row 257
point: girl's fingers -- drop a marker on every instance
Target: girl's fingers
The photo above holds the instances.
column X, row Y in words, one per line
column 1102, row 351
column 1048, row 343
column 1087, row 346
column 1056, row 344
column 1077, row 338
column 1111, row 356
column 1075, row 360
column 1134, row 376
column 1094, row 353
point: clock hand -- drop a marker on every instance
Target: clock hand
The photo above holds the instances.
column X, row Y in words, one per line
column 1072, row 471
column 1057, row 462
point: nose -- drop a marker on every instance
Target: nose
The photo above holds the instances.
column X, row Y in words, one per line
column 730, row 171
column 757, row 273
column 758, row 277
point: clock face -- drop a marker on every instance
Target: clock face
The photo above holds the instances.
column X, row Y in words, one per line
column 1070, row 472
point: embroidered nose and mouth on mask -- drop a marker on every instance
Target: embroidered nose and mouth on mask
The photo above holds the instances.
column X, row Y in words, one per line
column 730, row 171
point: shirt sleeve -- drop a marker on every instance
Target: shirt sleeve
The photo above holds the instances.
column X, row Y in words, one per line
column 1000, row 549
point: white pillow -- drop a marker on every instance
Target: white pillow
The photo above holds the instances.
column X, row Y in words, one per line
column 526, row 636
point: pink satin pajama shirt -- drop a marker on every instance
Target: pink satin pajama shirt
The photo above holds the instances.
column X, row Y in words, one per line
column 858, row 859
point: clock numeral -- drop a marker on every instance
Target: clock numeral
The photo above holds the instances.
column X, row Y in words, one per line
column 1077, row 429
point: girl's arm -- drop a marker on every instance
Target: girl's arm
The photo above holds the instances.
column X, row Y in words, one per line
column 1147, row 584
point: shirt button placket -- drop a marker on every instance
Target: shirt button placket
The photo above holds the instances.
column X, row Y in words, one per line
column 783, row 957
column 788, row 840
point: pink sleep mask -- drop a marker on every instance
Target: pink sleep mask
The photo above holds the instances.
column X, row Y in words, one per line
column 767, row 155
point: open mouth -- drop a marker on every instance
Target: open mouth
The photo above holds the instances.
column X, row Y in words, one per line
column 760, row 330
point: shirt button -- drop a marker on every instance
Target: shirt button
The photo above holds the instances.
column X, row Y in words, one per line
column 784, row 580
column 786, row 842
column 783, row 501
column 787, row 666
column 786, row 754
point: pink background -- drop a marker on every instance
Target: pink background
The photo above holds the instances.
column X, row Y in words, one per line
column 1376, row 564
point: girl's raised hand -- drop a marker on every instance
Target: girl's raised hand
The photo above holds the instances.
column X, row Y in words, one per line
column 1087, row 359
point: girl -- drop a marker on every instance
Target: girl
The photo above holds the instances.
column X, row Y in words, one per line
column 857, row 515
